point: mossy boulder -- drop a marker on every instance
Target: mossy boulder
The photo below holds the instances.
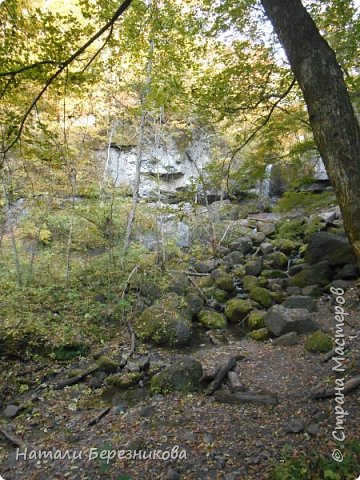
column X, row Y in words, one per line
column 194, row 303
column 250, row 282
column 205, row 282
column 274, row 274
column 184, row 376
column 215, row 293
column 211, row 319
column 219, row 272
column 256, row 320
column 166, row 323
column 335, row 249
column 278, row 297
column 237, row 309
column 124, row 380
column 261, row 296
column 258, row 237
column 107, row 365
column 179, row 283
column 239, row 271
column 291, row 229
column 279, row 260
column 254, row 267
column 285, row 245
column 225, row 283
column 319, row 342
column 260, row 335
column 318, row 274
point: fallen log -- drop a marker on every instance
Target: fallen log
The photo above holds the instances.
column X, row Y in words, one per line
column 349, row 386
column 221, row 373
column 235, row 382
column 73, row 380
column 97, row 419
column 245, row 397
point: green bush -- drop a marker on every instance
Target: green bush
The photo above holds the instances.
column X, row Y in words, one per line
column 291, row 229
column 319, row 342
column 305, row 200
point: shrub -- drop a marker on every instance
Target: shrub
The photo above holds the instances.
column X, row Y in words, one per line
column 319, row 342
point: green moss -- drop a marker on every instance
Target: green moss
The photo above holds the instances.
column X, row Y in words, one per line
column 219, row 295
column 261, row 296
column 278, row 297
column 107, row 365
column 316, row 225
column 237, row 309
column 205, row 282
column 308, row 200
column 124, row 380
column 291, row 229
column 310, row 275
column 250, row 282
column 211, row 319
column 279, row 260
column 166, row 323
column 239, row 271
column 184, row 376
column 256, row 320
column 285, row 245
column 225, row 283
column 319, row 342
column 273, row 274
column 260, row 335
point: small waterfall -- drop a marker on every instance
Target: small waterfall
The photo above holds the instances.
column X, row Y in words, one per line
column 266, row 183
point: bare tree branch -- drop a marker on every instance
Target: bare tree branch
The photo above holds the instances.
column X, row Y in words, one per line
column 12, row 73
column 62, row 67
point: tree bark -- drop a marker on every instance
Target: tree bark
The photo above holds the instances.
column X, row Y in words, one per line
column 332, row 117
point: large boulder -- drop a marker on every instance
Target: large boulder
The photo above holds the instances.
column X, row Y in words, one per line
column 318, row 274
column 234, row 258
column 212, row 319
column 225, row 282
column 300, row 301
column 237, row 309
column 204, row 267
column 183, row 376
column 335, row 249
column 281, row 320
column 165, row 323
column 250, row 282
column 267, row 228
column 254, row 267
column 243, row 245
column 261, row 296
column 194, row 303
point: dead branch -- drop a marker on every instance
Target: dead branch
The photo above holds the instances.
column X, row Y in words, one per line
column 245, row 397
column 220, row 375
column 73, row 380
column 63, row 66
column 101, row 415
column 349, row 386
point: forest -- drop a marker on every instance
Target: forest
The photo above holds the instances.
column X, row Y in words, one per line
column 180, row 239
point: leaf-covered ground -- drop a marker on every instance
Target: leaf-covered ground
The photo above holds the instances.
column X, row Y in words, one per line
column 221, row 441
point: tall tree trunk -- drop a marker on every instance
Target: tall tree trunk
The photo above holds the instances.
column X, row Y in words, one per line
column 333, row 121
column 140, row 148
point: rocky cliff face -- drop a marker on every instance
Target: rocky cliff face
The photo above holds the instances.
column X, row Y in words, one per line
column 165, row 168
